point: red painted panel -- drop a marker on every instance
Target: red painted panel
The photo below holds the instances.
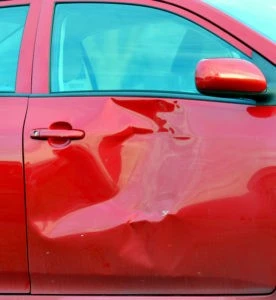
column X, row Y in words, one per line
column 24, row 84
column 13, row 248
column 229, row 75
column 43, row 297
column 14, row 277
column 161, row 196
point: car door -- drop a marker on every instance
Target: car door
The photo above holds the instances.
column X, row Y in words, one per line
column 135, row 182
column 17, row 23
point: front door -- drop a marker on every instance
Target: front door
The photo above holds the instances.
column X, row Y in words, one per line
column 136, row 183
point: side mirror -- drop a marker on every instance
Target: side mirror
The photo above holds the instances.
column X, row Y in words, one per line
column 226, row 76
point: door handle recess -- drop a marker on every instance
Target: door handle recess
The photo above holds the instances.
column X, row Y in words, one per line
column 69, row 134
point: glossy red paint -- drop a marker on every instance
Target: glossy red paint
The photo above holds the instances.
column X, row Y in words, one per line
column 13, row 245
column 13, row 248
column 229, row 75
column 24, row 82
column 161, row 196
column 268, row 297
column 158, row 195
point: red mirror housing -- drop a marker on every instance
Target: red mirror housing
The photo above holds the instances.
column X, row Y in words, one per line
column 229, row 75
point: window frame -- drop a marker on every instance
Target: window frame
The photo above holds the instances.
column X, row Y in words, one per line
column 58, row 69
column 42, row 62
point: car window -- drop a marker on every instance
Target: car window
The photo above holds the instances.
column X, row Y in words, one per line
column 248, row 11
column 121, row 47
column 12, row 21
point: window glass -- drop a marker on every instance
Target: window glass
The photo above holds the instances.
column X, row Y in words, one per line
column 111, row 47
column 12, row 21
column 248, row 11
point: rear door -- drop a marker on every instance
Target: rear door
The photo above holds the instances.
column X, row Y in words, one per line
column 136, row 183
column 17, row 23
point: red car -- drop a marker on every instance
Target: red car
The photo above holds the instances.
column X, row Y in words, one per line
column 138, row 149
